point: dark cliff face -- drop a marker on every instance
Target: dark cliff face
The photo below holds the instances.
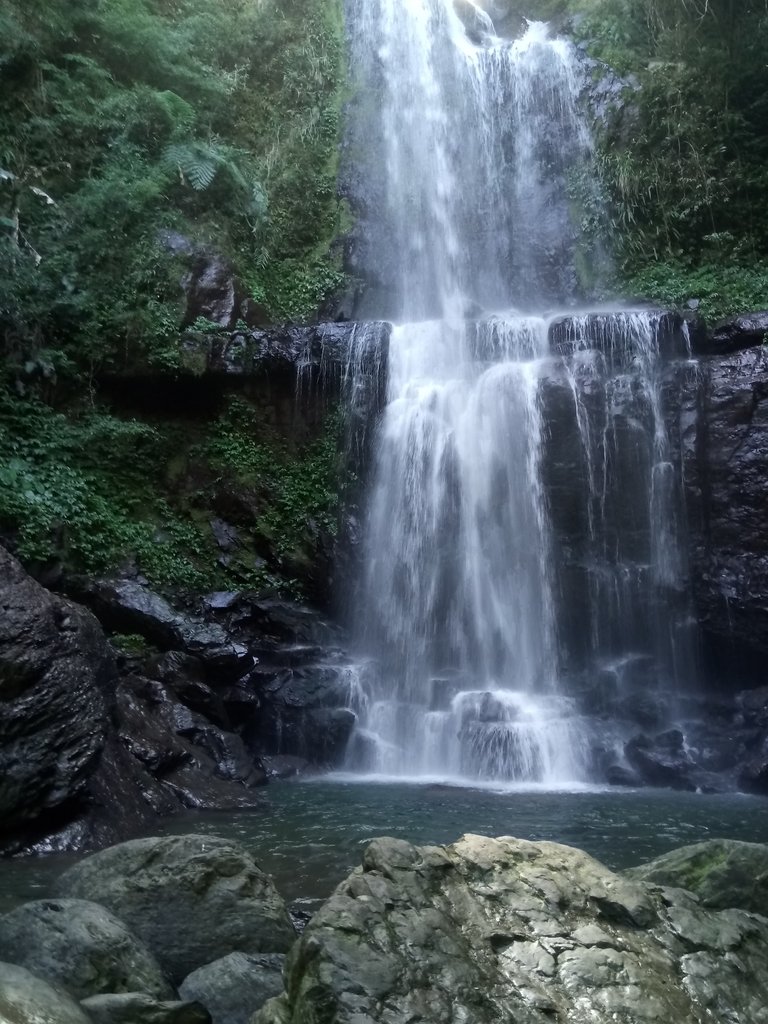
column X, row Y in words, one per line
column 726, row 473
column 54, row 666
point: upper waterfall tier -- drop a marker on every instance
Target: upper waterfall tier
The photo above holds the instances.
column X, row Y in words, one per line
column 478, row 158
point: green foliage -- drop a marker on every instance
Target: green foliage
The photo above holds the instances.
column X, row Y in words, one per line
column 80, row 491
column 299, row 489
column 723, row 290
column 130, row 643
column 215, row 118
column 97, row 492
column 684, row 161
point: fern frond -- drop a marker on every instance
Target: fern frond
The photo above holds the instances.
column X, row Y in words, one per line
column 197, row 163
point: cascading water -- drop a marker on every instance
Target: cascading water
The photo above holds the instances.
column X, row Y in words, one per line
column 479, row 141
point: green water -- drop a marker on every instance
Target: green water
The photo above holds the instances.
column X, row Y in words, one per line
column 310, row 835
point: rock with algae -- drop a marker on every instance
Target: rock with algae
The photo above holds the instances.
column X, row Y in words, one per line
column 723, row 873
column 504, row 931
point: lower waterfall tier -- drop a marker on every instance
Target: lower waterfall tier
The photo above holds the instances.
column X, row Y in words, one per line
column 525, row 556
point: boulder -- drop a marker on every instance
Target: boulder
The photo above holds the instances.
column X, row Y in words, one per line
column 304, row 714
column 55, row 672
column 499, row 930
column 661, row 761
column 137, row 1008
column 127, row 606
column 233, row 988
column 25, row 999
column 192, row 899
column 738, row 332
column 723, row 873
column 80, row 946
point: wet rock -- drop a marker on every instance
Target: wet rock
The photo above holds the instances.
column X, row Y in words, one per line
column 285, row 766
column 723, row 873
column 80, row 946
column 317, row 353
column 212, row 290
column 753, row 707
column 137, row 1008
column 495, row 930
column 25, row 999
column 233, row 988
column 304, row 713
column 736, row 333
column 602, row 332
column 198, row 696
column 127, row 606
column 661, row 761
column 143, row 733
column 176, row 668
column 726, row 437
column 753, row 777
column 279, row 625
column 226, row 535
column 55, row 673
column 202, row 765
column 619, row 775
column 191, row 899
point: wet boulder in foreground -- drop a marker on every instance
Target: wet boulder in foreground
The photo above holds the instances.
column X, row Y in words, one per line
column 722, row 873
column 26, row 999
column 495, row 931
column 233, row 988
column 81, row 947
column 191, row 899
column 137, row 1008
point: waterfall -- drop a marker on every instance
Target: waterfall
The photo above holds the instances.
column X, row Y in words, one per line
column 470, row 147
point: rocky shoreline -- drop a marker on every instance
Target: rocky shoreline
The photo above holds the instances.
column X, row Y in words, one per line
column 188, row 930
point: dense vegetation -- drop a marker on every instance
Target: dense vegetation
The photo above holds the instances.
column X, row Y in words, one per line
column 122, row 120
column 684, row 157
column 93, row 492
column 124, row 123
column 685, row 162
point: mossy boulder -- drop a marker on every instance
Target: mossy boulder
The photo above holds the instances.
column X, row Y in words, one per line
column 80, row 946
column 192, row 899
column 721, row 872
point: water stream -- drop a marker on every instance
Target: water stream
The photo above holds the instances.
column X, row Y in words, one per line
column 490, row 591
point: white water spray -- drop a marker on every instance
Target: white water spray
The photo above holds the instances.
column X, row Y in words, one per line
column 480, row 141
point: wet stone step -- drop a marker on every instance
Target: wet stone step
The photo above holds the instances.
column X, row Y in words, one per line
column 621, row 336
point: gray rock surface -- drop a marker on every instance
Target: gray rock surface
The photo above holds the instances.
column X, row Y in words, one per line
column 81, row 947
column 739, row 332
column 723, row 873
column 495, row 931
column 25, row 999
column 137, row 1008
column 125, row 605
column 212, row 290
column 726, row 439
column 233, row 988
column 192, row 899
column 54, row 669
